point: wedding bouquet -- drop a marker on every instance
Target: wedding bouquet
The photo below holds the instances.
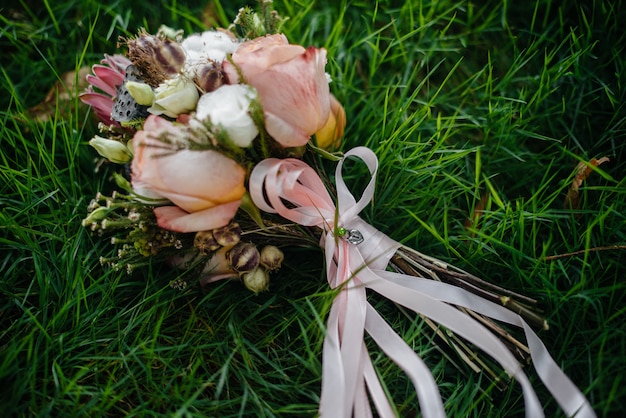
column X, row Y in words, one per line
column 219, row 136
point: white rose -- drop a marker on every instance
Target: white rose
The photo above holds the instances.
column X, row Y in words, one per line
column 175, row 96
column 228, row 109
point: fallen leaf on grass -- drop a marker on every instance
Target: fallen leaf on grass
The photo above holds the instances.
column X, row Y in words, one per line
column 583, row 170
column 61, row 96
column 471, row 222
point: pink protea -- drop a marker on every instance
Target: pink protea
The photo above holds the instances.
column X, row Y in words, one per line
column 107, row 77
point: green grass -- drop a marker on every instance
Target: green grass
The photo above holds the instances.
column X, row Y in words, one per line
column 460, row 101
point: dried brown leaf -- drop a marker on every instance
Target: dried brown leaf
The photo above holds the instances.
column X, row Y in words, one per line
column 583, row 170
column 472, row 221
column 61, row 96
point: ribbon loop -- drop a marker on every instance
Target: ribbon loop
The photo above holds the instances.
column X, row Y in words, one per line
column 357, row 263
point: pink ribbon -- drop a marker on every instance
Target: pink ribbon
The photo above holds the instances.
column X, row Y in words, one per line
column 357, row 255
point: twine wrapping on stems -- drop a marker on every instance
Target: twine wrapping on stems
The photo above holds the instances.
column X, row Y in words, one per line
column 354, row 263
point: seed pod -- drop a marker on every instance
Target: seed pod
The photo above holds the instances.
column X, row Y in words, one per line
column 205, row 242
column 228, row 235
column 257, row 280
column 271, row 257
column 243, row 257
column 156, row 57
column 209, row 77
column 126, row 109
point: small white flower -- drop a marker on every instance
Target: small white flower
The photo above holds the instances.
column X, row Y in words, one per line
column 175, row 96
column 112, row 150
column 228, row 109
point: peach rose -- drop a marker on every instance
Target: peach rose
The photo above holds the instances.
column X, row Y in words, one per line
column 291, row 84
column 206, row 187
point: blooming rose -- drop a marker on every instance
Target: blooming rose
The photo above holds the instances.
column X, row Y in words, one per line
column 206, row 187
column 291, row 84
column 228, row 109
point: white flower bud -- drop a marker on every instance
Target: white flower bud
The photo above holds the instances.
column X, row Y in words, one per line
column 175, row 96
column 96, row 216
column 112, row 150
column 257, row 280
column 141, row 92
column 228, row 109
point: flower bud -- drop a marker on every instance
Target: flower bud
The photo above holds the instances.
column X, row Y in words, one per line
column 228, row 235
column 271, row 257
column 329, row 136
column 205, row 242
column 96, row 216
column 243, row 257
column 141, row 92
column 174, row 96
column 112, row 150
column 257, row 280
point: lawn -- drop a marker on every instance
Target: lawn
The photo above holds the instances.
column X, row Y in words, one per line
column 491, row 122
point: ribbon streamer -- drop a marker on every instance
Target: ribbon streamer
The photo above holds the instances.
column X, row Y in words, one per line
column 347, row 372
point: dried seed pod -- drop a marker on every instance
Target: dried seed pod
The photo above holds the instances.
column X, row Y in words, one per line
column 205, row 242
column 228, row 235
column 157, row 57
column 243, row 257
column 209, row 77
column 257, row 280
column 271, row 257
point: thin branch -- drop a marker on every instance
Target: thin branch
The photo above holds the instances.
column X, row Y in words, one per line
column 605, row 248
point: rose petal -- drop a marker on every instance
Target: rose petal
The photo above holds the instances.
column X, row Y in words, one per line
column 286, row 134
column 329, row 136
column 174, row 218
column 193, row 180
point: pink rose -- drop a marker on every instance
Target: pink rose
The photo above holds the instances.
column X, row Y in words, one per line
column 206, row 187
column 291, row 84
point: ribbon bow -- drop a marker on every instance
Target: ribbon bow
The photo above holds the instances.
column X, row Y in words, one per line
column 356, row 257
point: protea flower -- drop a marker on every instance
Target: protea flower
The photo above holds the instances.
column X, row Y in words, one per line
column 107, row 77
